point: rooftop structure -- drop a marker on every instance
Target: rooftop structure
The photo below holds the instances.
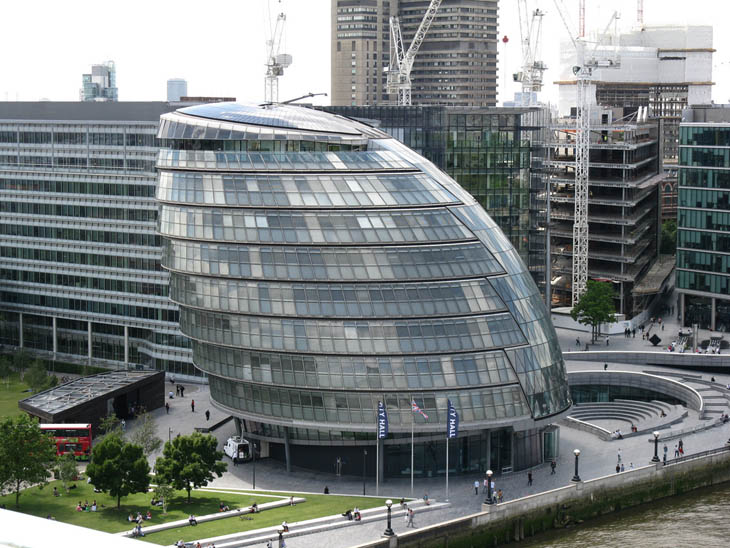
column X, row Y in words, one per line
column 664, row 68
column 321, row 267
column 100, row 84
column 176, row 89
column 623, row 216
column 703, row 232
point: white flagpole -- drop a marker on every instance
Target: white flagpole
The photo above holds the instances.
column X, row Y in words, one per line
column 447, row 468
column 377, row 464
column 412, row 420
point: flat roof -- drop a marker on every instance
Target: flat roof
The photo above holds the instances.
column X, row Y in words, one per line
column 68, row 395
column 106, row 111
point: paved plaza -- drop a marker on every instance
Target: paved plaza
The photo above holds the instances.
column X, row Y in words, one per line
column 598, row 458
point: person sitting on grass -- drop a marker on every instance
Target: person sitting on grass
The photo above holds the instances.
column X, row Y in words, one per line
column 56, row 493
column 254, row 508
column 192, row 520
column 130, row 518
column 137, row 531
column 223, row 507
column 93, row 506
column 79, row 507
column 149, row 515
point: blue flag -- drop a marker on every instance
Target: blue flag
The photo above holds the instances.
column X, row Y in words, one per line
column 452, row 428
column 382, row 421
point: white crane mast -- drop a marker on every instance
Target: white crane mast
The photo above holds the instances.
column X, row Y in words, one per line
column 532, row 68
column 401, row 61
column 275, row 62
column 583, row 72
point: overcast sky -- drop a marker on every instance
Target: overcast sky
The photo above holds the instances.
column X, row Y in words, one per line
column 219, row 47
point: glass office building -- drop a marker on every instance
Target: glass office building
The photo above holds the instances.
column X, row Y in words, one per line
column 495, row 154
column 703, row 219
column 322, row 266
column 80, row 275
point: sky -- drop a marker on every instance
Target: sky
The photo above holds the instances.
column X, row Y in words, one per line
column 220, row 48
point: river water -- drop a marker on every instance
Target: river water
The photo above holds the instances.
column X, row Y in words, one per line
column 696, row 520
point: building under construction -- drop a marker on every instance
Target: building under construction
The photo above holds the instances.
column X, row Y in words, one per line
column 623, row 205
column 662, row 68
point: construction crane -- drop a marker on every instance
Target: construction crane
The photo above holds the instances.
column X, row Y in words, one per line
column 275, row 62
column 532, row 69
column 583, row 71
column 401, row 61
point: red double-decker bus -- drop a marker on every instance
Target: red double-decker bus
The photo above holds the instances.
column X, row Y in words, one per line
column 71, row 439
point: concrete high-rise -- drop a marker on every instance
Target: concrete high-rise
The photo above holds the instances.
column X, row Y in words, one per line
column 80, row 275
column 176, row 88
column 100, row 84
column 456, row 64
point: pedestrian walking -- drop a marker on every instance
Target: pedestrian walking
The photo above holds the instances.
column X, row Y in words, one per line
column 192, row 406
column 124, row 425
column 486, row 483
column 605, row 366
column 476, row 487
column 577, row 342
column 622, row 467
column 552, row 467
column 529, row 478
column 500, row 496
column 633, row 333
column 182, row 391
column 167, row 407
column 410, row 517
column 619, row 455
column 606, row 340
column 618, row 468
column 676, row 450
column 207, row 414
column 681, row 446
column 177, row 389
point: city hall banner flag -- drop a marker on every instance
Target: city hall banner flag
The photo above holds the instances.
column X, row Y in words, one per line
column 382, row 421
column 452, row 428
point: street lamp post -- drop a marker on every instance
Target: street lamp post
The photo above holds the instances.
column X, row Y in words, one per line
column 655, row 458
column 364, row 462
column 577, row 454
column 388, row 530
column 489, row 487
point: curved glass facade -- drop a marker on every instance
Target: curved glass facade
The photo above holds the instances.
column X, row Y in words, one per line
column 315, row 284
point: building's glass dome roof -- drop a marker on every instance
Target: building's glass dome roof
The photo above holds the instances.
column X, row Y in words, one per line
column 281, row 116
column 314, row 284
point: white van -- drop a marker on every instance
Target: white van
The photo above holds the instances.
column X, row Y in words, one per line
column 238, row 449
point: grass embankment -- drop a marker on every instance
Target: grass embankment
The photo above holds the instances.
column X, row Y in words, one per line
column 10, row 393
column 41, row 502
column 317, row 506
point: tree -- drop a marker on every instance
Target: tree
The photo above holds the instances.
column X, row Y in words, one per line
column 27, row 454
column 668, row 241
column 21, row 361
column 111, row 425
column 164, row 492
column 118, row 468
column 595, row 306
column 67, row 471
column 145, row 434
column 36, row 377
column 190, row 461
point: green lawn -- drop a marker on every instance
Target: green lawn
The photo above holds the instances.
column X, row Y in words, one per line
column 41, row 502
column 316, row 506
column 10, row 393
